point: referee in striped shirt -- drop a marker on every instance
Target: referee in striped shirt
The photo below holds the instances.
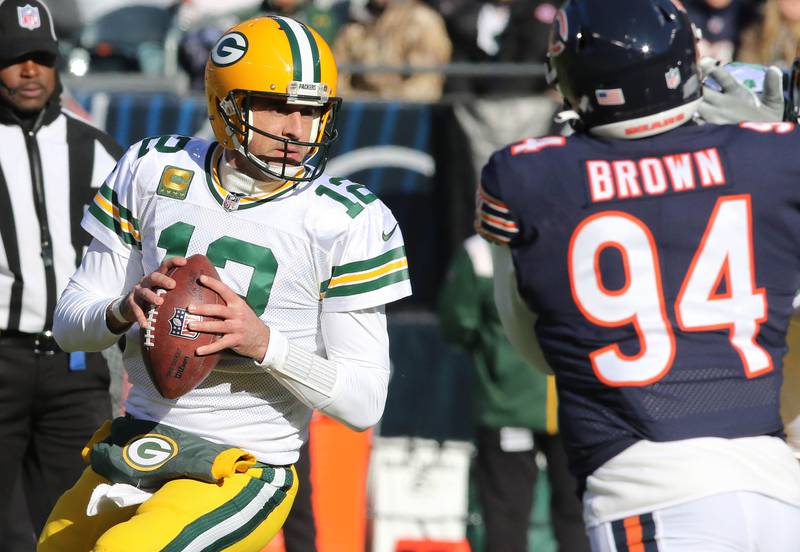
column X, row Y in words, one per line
column 50, row 164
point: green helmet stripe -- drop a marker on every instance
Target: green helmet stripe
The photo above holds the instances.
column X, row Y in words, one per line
column 305, row 55
column 298, row 69
column 315, row 63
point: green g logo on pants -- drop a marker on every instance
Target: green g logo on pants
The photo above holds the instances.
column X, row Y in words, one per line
column 149, row 452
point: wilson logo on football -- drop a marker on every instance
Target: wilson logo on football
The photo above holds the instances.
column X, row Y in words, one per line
column 149, row 452
column 179, row 324
column 229, row 49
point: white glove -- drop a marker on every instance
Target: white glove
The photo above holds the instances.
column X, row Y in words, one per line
column 737, row 103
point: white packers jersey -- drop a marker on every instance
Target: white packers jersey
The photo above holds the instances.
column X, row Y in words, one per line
column 324, row 246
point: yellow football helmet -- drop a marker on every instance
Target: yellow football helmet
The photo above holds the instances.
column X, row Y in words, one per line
column 273, row 57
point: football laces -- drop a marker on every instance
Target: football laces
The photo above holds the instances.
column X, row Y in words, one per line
column 152, row 317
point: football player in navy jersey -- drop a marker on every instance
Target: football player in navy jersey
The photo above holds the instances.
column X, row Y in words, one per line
column 656, row 261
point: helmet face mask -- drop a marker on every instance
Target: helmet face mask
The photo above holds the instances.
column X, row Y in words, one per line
column 282, row 61
column 236, row 111
column 625, row 77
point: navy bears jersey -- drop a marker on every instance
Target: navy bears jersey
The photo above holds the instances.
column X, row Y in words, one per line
column 662, row 271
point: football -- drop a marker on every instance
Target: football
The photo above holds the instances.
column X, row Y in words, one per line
column 168, row 345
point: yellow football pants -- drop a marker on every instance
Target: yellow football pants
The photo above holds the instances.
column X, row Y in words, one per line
column 242, row 513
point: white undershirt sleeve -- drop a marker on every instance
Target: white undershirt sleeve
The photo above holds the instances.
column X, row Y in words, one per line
column 351, row 384
column 79, row 322
column 515, row 316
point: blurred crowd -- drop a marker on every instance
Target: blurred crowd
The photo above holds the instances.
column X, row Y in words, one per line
column 392, row 49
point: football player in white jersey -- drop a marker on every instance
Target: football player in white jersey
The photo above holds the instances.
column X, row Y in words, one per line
column 307, row 263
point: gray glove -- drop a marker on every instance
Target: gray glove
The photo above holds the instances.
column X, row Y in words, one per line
column 737, row 103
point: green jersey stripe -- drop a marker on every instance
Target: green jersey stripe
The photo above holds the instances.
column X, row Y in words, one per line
column 124, row 213
column 375, row 262
column 112, row 224
column 355, row 289
column 106, row 192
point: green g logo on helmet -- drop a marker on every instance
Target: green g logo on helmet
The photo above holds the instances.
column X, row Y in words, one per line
column 149, row 452
column 229, row 49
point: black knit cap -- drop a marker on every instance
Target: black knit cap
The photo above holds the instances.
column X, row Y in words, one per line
column 25, row 26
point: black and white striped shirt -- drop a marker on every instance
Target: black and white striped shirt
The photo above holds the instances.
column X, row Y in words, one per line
column 64, row 159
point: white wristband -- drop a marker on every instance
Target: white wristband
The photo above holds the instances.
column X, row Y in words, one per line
column 116, row 312
column 277, row 349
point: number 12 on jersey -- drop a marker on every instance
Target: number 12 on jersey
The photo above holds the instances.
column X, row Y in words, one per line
column 725, row 254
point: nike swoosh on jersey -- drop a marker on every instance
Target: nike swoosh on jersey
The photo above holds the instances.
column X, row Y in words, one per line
column 386, row 236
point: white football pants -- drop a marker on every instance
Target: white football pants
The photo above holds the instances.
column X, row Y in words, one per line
column 729, row 522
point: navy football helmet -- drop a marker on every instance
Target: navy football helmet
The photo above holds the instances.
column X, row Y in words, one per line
column 627, row 68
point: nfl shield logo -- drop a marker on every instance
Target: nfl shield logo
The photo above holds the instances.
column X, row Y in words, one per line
column 673, row 77
column 179, row 324
column 28, row 17
column 231, row 202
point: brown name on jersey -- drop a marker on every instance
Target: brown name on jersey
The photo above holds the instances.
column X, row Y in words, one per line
column 654, row 176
